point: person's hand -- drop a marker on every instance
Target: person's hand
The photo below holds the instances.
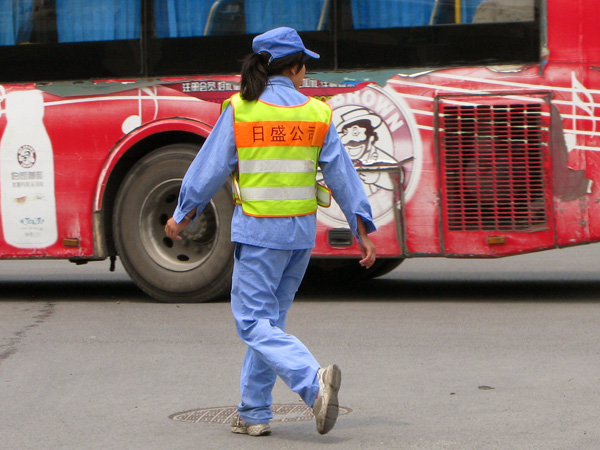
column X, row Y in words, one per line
column 172, row 228
column 368, row 250
column 366, row 246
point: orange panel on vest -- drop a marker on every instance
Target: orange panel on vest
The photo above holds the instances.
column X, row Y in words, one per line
column 284, row 133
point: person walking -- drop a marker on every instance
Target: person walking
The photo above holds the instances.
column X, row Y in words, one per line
column 271, row 137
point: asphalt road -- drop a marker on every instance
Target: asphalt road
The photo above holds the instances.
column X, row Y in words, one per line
column 439, row 354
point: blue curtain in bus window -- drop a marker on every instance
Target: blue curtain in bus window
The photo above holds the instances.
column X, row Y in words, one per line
column 181, row 18
column 305, row 15
column 391, row 13
column 106, row 20
column 16, row 21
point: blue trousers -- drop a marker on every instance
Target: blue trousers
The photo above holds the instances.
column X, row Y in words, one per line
column 264, row 284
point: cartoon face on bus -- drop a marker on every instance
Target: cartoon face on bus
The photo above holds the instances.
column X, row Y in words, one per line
column 359, row 132
column 379, row 135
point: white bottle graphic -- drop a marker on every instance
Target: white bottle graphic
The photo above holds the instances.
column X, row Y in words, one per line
column 27, row 204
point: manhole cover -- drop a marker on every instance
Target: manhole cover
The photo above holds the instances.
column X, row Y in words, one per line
column 281, row 413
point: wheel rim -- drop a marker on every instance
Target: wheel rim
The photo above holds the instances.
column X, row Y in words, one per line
column 199, row 238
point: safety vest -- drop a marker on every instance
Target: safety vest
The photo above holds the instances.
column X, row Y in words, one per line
column 278, row 150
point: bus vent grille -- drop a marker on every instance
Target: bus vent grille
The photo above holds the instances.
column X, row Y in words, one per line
column 493, row 167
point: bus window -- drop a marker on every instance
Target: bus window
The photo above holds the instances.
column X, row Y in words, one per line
column 16, row 22
column 189, row 18
column 82, row 39
column 453, row 11
column 369, row 14
column 108, row 20
column 373, row 14
column 190, row 36
column 306, row 15
column 226, row 17
column 181, row 18
column 70, row 39
column 49, row 21
column 504, row 11
column 436, row 33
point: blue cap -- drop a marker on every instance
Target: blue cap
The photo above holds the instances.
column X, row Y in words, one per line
column 280, row 42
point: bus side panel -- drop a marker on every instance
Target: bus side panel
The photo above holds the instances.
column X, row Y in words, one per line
column 593, row 205
column 571, row 132
column 386, row 240
column 421, row 198
column 384, row 145
column 591, row 141
column 572, row 32
column 83, row 131
column 77, row 159
column 571, row 94
column 422, row 208
column 373, row 126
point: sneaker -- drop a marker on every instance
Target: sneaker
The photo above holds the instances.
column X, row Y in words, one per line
column 326, row 405
column 240, row 426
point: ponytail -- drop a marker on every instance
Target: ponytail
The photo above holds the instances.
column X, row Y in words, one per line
column 256, row 70
column 254, row 76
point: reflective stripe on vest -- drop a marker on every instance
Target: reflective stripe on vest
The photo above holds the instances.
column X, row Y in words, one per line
column 278, row 155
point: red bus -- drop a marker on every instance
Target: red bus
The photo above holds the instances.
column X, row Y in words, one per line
column 473, row 124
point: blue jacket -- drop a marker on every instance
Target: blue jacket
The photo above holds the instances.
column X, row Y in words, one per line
column 218, row 159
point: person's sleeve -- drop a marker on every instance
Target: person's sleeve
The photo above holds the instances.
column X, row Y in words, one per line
column 210, row 169
column 341, row 177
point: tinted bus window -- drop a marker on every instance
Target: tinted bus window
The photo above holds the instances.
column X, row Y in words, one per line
column 47, row 21
column 435, row 33
column 108, row 20
column 16, row 22
column 504, row 11
column 190, row 36
column 81, row 39
column 187, row 18
column 50, row 40
column 369, row 14
column 183, row 18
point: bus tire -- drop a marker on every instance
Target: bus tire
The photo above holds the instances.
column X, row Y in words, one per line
column 195, row 269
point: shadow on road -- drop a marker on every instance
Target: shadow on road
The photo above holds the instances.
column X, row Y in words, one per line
column 71, row 291
column 455, row 290
column 318, row 290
